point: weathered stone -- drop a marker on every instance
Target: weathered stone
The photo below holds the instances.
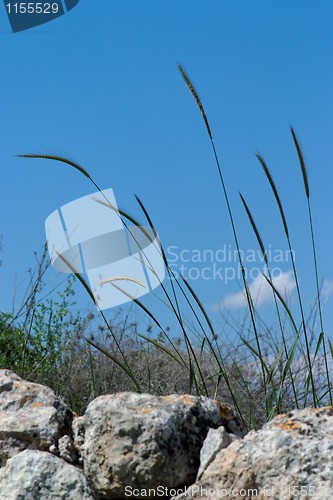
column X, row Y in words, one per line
column 78, row 437
column 132, row 444
column 216, row 440
column 66, row 449
column 36, row 475
column 31, row 416
column 290, row 457
column 78, row 433
column 143, row 441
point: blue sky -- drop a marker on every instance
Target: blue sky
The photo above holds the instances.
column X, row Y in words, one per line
column 100, row 85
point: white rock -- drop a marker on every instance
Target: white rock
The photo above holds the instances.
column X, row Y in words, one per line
column 143, row 441
column 289, row 458
column 216, row 440
column 31, row 416
column 38, row 475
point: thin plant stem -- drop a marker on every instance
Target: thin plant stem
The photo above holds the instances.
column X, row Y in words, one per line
column 286, row 230
column 231, row 218
column 264, row 254
column 307, row 194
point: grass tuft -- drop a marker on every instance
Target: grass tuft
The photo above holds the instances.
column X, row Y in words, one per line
column 259, row 382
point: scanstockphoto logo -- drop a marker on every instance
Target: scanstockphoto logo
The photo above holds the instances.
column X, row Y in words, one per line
column 121, row 262
column 26, row 15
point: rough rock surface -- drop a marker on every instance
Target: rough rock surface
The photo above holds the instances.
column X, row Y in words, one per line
column 143, row 441
column 216, row 440
column 38, row 475
column 290, row 457
column 129, row 444
column 31, row 416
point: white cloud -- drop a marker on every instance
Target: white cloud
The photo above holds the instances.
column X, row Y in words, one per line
column 261, row 291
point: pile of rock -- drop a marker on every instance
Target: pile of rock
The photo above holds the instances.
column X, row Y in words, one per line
column 138, row 445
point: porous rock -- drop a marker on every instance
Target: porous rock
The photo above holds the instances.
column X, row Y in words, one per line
column 290, row 457
column 143, row 441
column 216, row 440
column 66, row 449
column 137, row 442
column 31, row 416
column 36, row 475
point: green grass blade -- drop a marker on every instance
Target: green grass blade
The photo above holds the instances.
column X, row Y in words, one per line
column 115, row 360
column 257, row 354
column 319, row 342
column 160, row 346
column 283, row 302
column 302, row 163
column 230, row 214
column 255, row 229
column 263, row 251
column 60, row 159
column 307, row 193
column 276, row 364
column 275, row 191
column 196, row 97
column 88, row 290
column 290, row 358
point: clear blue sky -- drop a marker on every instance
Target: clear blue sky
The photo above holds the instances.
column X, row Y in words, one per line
column 100, row 84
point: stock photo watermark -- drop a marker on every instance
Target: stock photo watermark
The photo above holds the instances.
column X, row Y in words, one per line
column 26, row 15
column 122, row 262
column 223, row 264
column 296, row 491
column 87, row 236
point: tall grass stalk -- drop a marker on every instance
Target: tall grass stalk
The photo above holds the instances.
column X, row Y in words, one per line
column 193, row 362
column 197, row 99
column 213, row 351
column 307, row 194
column 192, row 365
column 175, row 308
column 190, row 358
column 286, row 230
column 264, row 254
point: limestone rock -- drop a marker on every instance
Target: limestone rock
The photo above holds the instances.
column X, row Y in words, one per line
column 36, row 475
column 131, row 444
column 78, row 433
column 216, row 440
column 290, row 457
column 66, row 449
column 144, row 441
column 31, row 416
column 78, row 437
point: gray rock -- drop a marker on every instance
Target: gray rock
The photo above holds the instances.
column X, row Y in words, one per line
column 143, row 441
column 216, row 440
column 38, row 475
column 78, row 437
column 78, row 433
column 66, row 449
column 290, row 457
column 131, row 444
column 31, row 416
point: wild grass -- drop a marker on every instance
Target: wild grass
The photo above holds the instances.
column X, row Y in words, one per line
column 264, row 370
